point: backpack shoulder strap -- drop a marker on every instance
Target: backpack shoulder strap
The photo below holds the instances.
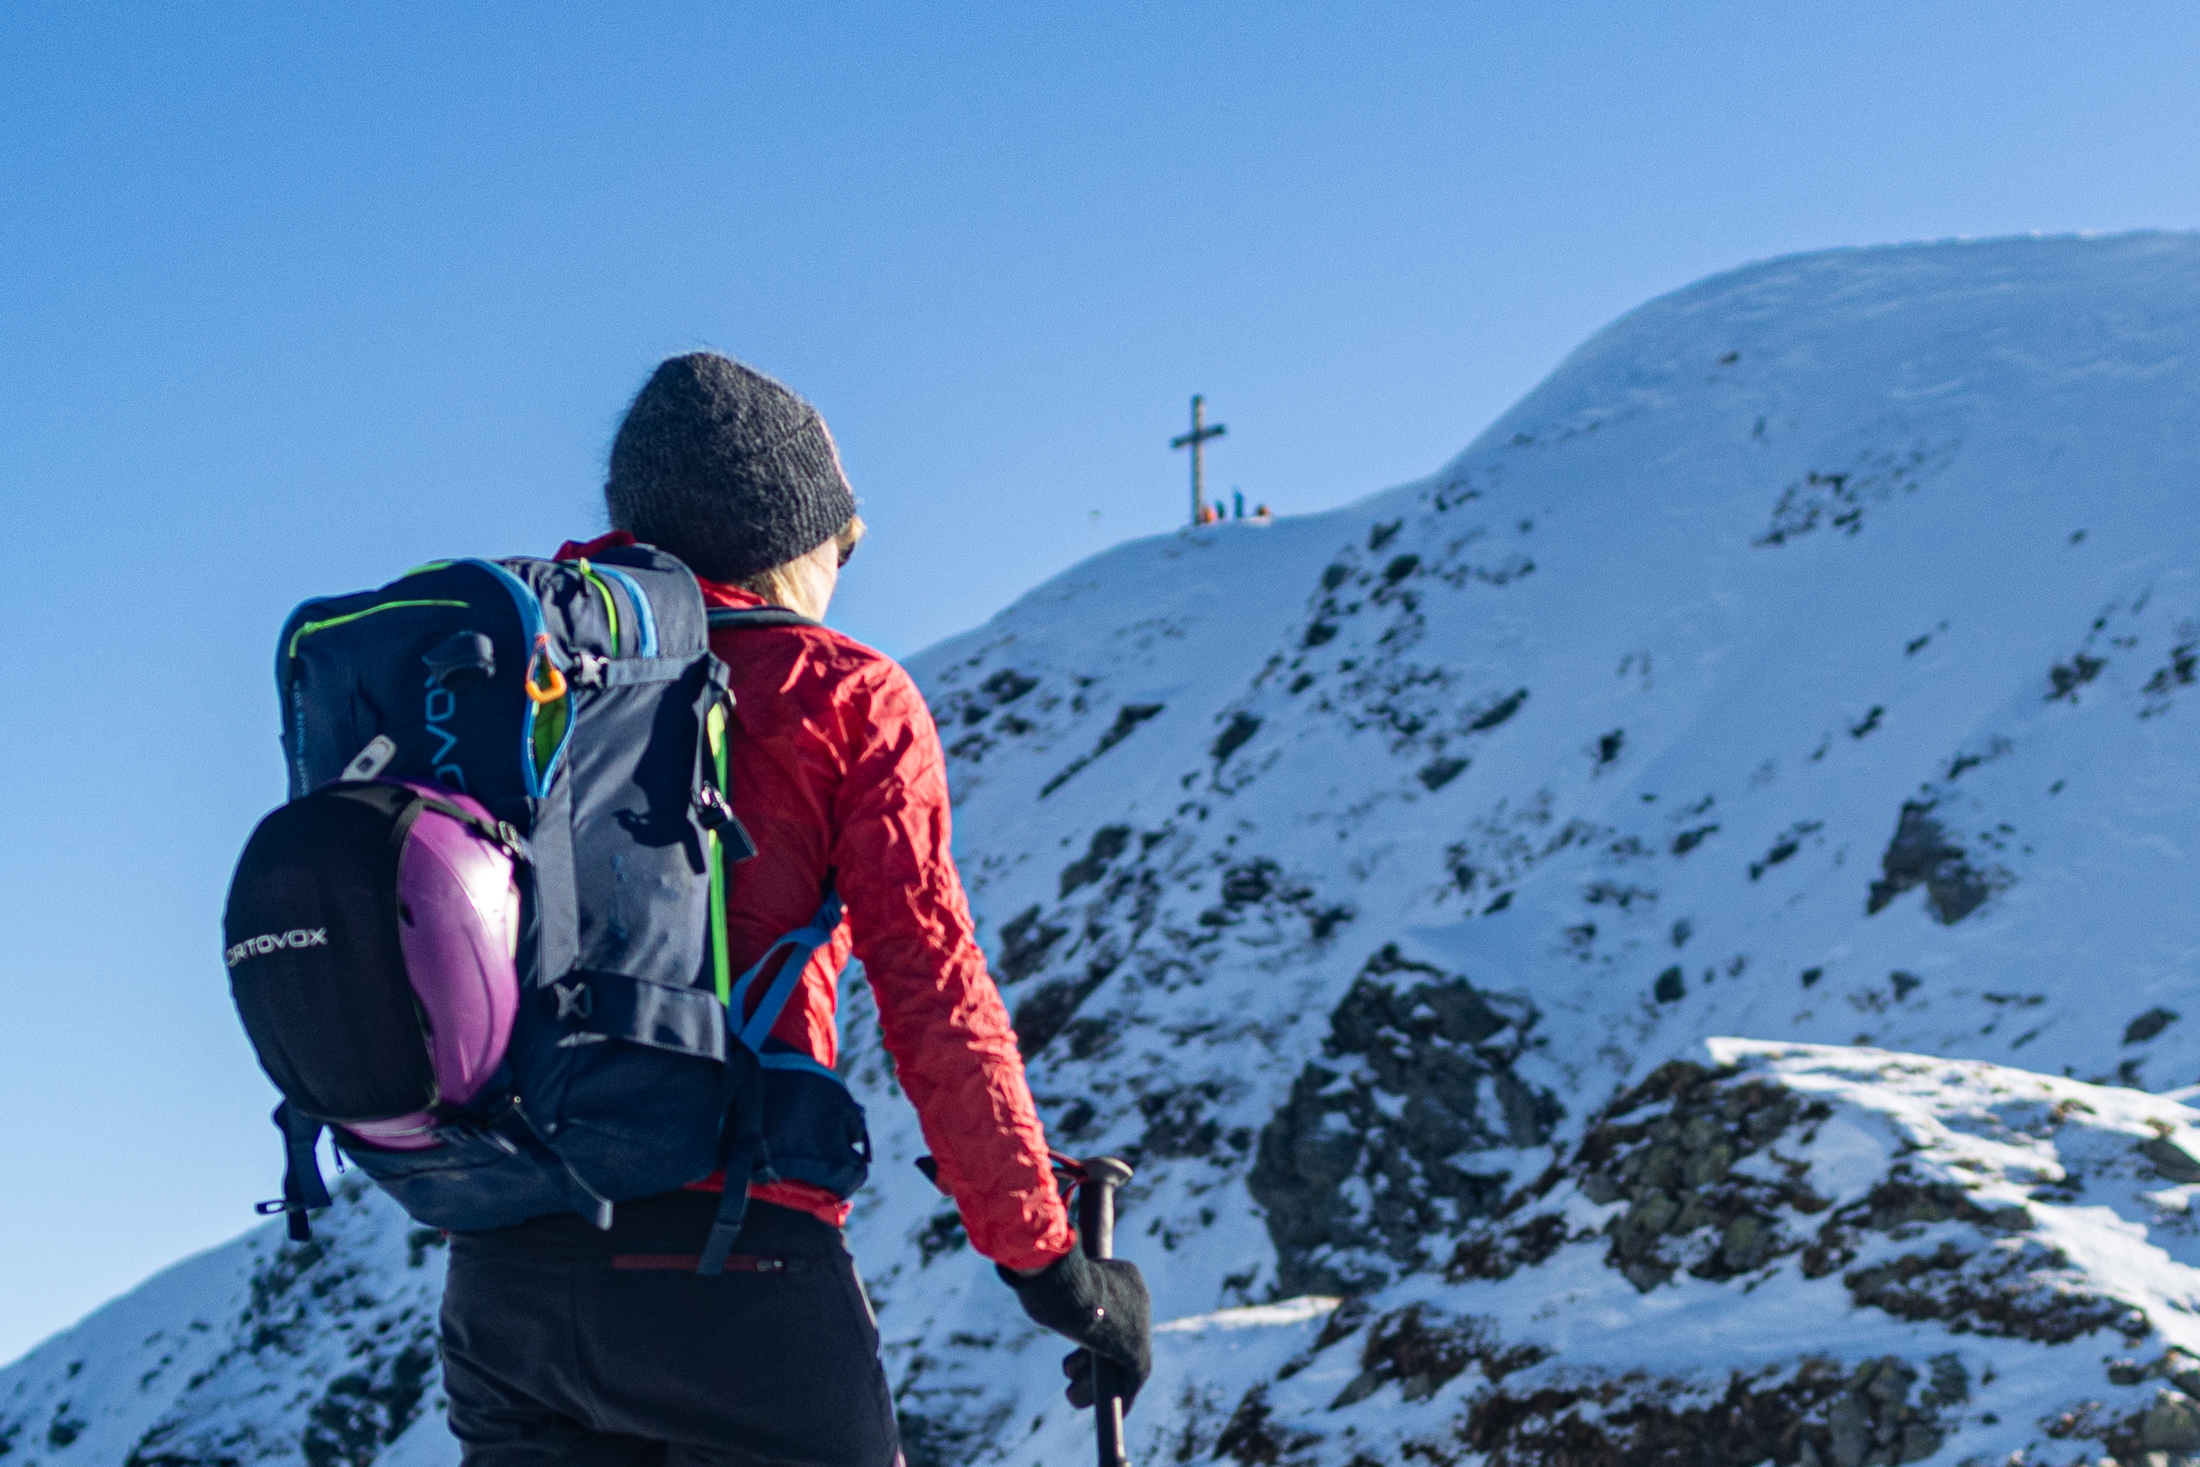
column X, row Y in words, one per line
column 722, row 617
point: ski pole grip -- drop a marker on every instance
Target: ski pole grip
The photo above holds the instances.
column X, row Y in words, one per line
column 1096, row 1204
column 1096, row 1231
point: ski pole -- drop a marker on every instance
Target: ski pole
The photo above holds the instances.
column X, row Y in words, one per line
column 1096, row 1227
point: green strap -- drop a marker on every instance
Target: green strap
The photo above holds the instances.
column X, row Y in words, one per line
column 720, row 960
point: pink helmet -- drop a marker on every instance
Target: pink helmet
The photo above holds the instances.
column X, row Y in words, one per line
column 458, row 917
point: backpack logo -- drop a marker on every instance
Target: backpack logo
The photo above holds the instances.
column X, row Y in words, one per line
column 442, row 703
column 268, row 942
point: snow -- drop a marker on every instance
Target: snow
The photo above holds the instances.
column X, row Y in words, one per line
column 1797, row 684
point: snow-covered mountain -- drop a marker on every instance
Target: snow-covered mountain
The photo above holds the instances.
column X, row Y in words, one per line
column 1519, row 906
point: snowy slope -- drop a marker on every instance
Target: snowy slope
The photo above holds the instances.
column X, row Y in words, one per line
column 1808, row 659
column 255, row 1351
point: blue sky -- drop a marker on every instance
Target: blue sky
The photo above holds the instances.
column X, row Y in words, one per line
column 294, row 297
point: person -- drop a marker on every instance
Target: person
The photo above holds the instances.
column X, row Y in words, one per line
column 563, row 1344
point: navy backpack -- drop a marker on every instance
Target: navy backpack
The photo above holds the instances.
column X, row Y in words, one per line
column 485, row 941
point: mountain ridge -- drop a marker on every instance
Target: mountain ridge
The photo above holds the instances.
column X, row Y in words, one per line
column 1804, row 660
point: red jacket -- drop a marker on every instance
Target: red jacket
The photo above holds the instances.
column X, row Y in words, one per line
column 838, row 774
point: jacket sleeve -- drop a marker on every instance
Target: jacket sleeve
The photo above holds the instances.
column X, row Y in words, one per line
column 942, row 1017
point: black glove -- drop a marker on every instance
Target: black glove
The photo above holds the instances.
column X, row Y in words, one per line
column 1102, row 1304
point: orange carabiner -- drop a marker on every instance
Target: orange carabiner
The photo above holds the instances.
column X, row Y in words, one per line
column 552, row 690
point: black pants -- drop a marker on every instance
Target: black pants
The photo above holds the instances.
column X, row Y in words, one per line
column 566, row 1345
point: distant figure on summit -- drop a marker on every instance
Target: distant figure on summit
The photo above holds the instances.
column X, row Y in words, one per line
column 567, row 1345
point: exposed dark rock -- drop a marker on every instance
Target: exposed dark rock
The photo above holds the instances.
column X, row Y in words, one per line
column 1244, row 885
column 2172, row 1162
column 1177, row 1122
column 2065, row 678
column 1077, row 1119
column 1252, row 1435
column 941, row 1234
column 419, row 1240
column 2149, row 1024
column 2184, row 660
column 299, row 1296
column 1624, row 1420
column 1085, row 1038
column 1498, row 712
column 1439, row 772
column 1669, row 1149
column 1688, row 840
column 1024, row 944
column 928, row 1441
column 1047, row 1009
column 1500, row 1253
column 1994, row 1287
column 64, row 1429
column 364, row 1410
column 1127, row 720
column 1108, row 842
column 1418, row 1350
column 1837, row 500
column 1007, row 685
column 1923, row 854
column 1815, row 1416
column 1242, row 726
column 1676, row 1170
column 2172, row 1423
column 1397, row 1102
column 1785, row 847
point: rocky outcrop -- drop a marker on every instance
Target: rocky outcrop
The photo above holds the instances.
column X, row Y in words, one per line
column 1369, row 1164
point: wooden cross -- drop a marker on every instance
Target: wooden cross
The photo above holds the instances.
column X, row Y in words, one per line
column 1196, row 441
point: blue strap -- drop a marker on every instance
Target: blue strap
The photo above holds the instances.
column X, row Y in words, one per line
column 745, row 1152
column 789, row 1060
column 798, row 945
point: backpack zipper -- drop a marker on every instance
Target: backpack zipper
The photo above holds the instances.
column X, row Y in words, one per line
column 721, row 964
column 610, row 603
column 336, row 621
column 645, row 618
column 531, row 633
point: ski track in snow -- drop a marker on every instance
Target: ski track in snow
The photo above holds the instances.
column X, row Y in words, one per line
column 1808, row 659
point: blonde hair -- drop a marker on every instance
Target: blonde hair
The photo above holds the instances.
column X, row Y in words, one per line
column 778, row 586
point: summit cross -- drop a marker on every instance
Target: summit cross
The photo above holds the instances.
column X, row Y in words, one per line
column 1196, row 441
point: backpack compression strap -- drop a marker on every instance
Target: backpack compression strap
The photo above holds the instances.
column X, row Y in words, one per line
column 745, row 1154
column 303, row 1188
column 496, row 832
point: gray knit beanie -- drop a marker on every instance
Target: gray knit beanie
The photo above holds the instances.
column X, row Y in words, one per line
column 725, row 468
